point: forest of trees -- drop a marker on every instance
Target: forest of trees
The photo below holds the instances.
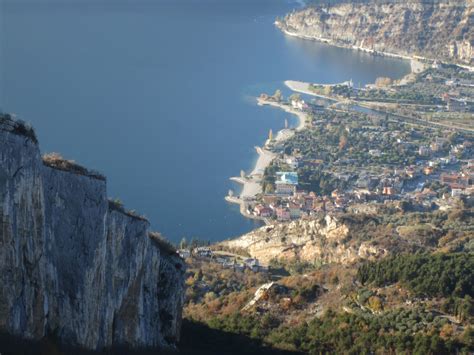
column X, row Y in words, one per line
column 432, row 275
column 344, row 333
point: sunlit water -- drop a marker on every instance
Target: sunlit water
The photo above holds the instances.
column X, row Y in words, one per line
column 159, row 95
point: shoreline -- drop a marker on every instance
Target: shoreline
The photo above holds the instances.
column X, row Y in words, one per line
column 251, row 183
column 367, row 50
column 303, row 88
column 299, row 114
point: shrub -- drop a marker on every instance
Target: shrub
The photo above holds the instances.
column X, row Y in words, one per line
column 163, row 243
column 56, row 161
column 117, row 205
column 18, row 127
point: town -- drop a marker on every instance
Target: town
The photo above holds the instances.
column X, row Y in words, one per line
column 358, row 149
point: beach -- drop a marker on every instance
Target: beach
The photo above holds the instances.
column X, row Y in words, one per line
column 287, row 108
column 252, row 183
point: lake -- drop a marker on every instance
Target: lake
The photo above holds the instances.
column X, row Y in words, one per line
column 160, row 95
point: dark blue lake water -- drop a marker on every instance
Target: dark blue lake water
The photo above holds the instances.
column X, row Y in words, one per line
column 159, row 95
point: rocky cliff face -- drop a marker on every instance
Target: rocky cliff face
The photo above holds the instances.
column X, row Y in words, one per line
column 442, row 31
column 73, row 266
column 324, row 241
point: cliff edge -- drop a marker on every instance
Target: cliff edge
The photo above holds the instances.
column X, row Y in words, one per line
column 73, row 265
column 432, row 30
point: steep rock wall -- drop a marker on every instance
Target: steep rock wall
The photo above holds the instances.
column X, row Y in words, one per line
column 433, row 30
column 73, row 267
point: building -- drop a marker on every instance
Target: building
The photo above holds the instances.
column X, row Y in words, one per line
column 455, row 105
column 202, row 252
column 424, row 151
column 286, row 182
column 319, row 205
column 253, row 264
column 295, row 210
column 411, row 172
column 428, row 170
column 455, row 180
column 184, row 253
column 337, row 193
column 299, row 104
column 262, row 211
column 283, row 214
column 292, row 162
column 308, row 202
column 285, row 189
column 287, row 177
column 271, row 200
column 375, row 152
column 438, row 144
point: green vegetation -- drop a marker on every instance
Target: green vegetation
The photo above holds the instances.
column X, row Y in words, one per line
column 416, row 295
column 338, row 333
column 319, row 181
column 432, row 275
column 419, row 303
column 340, row 137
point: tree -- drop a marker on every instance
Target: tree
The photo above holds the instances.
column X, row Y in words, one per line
column 468, row 336
column 342, row 142
column 452, row 137
column 383, row 82
column 183, row 244
column 269, row 188
column 295, row 97
column 278, row 96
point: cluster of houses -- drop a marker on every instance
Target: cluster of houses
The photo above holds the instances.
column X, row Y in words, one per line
column 460, row 183
column 454, row 100
column 246, row 264
column 408, row 182
column 436, row 160
column 228, row 262
column 453, row 97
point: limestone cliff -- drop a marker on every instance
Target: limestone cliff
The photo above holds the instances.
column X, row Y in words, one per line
column 441, row 30
column 72, row 264
column 326, row 241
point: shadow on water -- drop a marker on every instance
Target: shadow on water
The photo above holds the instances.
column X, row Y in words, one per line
column 196, row 339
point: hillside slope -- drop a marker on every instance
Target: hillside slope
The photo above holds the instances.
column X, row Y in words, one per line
column 442, row 31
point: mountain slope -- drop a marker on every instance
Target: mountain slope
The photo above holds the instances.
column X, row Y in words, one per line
column 442, row 31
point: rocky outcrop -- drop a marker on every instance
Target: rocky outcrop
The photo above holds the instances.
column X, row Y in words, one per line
column 73, row 265
column 324, row 241
column 441, row 30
